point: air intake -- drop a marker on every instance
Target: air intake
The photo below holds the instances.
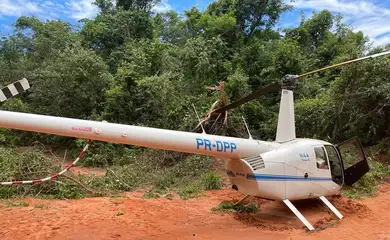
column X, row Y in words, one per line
column 256, row 162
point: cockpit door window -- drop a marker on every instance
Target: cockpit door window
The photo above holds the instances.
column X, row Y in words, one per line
column 336, row 167
column 321, row 160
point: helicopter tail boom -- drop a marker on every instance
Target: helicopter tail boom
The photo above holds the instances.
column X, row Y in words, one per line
column 204, row 144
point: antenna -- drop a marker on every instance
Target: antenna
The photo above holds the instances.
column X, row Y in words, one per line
column 247, row 129
column 200, row 122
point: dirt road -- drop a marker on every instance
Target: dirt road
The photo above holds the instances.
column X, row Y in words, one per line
column 132, row 217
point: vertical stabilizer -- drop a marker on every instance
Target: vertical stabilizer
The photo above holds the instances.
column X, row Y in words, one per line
column 286, row 122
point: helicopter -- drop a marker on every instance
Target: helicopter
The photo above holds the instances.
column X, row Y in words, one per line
column 286, row 169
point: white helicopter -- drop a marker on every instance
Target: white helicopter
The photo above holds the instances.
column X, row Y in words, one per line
column 286, row 169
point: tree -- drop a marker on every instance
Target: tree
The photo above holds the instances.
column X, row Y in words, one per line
column 108, row 32
column 70, row 85
column 105, row 6
column 251, row 15
column 170, row 28
column 134, row 66
column 141, row 5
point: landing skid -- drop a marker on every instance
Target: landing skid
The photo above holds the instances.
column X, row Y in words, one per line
column 303, row 219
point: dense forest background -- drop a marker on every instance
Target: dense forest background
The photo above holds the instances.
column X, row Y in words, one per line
column 131, row 65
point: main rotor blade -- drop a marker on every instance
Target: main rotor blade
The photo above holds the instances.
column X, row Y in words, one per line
column 13, row 89
column 344, row 63
column 253, row 95
column 278, row 85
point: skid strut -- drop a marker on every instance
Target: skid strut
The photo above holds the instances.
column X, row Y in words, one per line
column 334, row 210
column 242, row 199
column 298, row 214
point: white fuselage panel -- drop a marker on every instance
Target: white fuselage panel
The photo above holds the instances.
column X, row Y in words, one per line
column 289, row 172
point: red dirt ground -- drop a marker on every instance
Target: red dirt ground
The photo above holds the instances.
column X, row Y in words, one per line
column 132, row 217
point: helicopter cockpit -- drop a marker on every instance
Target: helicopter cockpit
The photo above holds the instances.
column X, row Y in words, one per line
column 346, row 161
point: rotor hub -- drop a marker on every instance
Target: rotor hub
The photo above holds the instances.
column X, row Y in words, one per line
column 288, row 81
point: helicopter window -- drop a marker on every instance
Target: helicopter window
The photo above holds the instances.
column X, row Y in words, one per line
column 335, row 164
column 321, row 160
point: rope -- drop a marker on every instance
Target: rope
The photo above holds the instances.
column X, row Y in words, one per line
column 53, row 175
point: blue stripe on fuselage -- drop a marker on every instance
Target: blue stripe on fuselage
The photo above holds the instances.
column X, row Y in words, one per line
column 230, row 173
column 270, row 177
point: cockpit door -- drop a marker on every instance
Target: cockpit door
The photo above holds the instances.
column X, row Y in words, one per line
column 354, row 160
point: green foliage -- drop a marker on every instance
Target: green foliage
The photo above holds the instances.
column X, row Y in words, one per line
column 310, row 117
column 190, row 191
column 137, row 67
column 107, row 32
column 151, row 194
column 72, row 85
column 211, row 180
column 32, row 164
column 101, row 154
column 367, row 186
column 172, row 172
column 9, row 203
column 169, row 27
column 237, row 85
column 204, row 62
column 228, row 206
column 169, row 196
column 382, row 147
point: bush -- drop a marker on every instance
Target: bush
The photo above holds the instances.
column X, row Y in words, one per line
column 32, row 164
column 102, row 154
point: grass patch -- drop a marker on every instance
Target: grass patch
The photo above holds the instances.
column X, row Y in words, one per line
column 8, row 203
column 211, row 180
column 230, row 206
column 151, row 194
column 190, row 191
